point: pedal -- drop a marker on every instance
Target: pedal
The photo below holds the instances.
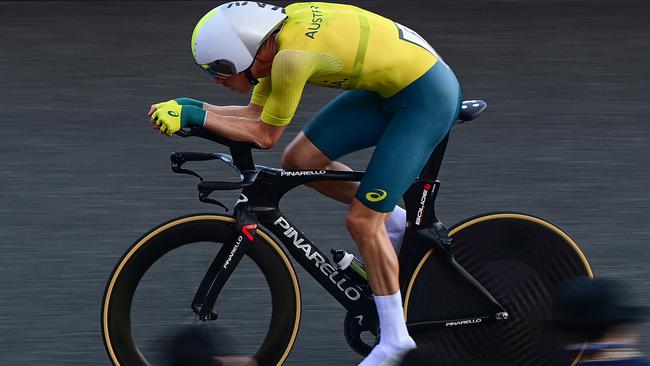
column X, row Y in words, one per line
column 353, row 327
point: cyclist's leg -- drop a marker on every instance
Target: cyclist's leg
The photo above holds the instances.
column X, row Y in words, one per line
column 398, row 158
column 351, row 122
column 310, row 157
column 301, row 153
column 369, row 232
column 423, row 114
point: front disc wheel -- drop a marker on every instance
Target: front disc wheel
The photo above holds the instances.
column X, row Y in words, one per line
column 148, row 297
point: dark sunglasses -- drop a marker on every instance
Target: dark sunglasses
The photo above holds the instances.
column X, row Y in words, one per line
column 221, row 69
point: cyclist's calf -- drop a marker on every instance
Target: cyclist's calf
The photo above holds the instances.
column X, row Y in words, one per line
column 367, row 228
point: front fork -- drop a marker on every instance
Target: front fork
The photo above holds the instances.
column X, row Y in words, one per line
column 225, row 262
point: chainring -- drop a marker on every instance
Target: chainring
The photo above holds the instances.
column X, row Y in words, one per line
column 353, row 329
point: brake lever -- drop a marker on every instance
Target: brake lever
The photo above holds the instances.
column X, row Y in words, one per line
column 177, row 164
column 204, row 198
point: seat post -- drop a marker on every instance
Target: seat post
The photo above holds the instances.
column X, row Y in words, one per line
column 432, row 167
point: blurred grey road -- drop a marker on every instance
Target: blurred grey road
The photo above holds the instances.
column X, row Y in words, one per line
column 565, row 137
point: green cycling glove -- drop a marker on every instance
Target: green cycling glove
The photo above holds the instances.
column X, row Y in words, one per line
column 172, row 116
column 190, row 101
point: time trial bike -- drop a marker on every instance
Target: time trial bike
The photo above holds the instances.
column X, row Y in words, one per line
column 476, row 293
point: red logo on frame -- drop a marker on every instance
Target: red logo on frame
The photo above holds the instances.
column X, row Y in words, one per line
column 245, row 231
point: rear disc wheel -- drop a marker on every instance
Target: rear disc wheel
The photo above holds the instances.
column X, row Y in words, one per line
column 520, row 260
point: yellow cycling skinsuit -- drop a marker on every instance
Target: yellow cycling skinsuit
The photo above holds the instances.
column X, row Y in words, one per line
column 401, row 97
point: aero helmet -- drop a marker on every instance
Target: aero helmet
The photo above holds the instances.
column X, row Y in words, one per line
column 226, row 39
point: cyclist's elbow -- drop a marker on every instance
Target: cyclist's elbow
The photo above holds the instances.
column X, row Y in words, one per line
column 265, row 143
column 268, row 135
column 254, row 110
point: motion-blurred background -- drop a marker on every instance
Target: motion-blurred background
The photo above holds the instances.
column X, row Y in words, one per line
column 83, row 175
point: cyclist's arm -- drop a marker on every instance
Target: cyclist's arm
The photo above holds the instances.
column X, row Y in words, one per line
column 291, row 71
column 289, row 76
column 243, row 123
column 250, row 111
column 244, row 129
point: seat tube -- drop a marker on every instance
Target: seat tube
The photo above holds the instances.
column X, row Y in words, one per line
column 432, row 167
column 420, row 203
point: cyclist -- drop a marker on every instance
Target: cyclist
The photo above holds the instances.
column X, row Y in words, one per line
column 400, row 97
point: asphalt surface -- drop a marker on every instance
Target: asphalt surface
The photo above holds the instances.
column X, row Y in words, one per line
column 565, row 137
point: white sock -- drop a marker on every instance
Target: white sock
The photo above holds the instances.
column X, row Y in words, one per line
column 395, row 339
column 391, row 320
column 396, row 225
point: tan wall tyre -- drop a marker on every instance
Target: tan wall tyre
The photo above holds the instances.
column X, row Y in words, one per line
column 521, row 260
column 149, row 293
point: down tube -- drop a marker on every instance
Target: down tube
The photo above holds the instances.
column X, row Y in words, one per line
column 317, row 264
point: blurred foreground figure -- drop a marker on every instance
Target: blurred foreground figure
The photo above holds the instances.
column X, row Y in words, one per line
column 196, row 346
column 599, row 311
column 596, row 310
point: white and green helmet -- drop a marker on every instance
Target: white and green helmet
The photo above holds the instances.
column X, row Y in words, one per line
column 226, row 39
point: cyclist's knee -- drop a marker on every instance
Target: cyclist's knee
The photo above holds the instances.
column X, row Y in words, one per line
column 363, row 222
column 302, row 154
column 291, row 159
